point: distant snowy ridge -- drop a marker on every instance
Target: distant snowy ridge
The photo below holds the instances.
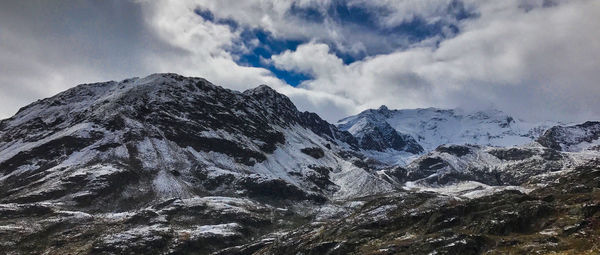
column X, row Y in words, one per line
column 432, row 127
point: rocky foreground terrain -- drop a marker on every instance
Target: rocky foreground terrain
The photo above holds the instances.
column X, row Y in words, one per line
column 168, row 164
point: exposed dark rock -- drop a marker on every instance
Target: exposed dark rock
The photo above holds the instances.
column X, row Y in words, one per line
column 48, row 154
column 108, row 146
column 431, row 163
column 562, row 137
column 241, row 154
column 380, row 138
column 314, row 152
column 321, row 170
column 23, row 210
column 512, row 154
column 550, row 154
column 273, row 189
column 323, row 128
column 456, row 150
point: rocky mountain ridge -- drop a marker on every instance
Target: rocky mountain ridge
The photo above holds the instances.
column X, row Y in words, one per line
column 168, row 164
column 173, row 137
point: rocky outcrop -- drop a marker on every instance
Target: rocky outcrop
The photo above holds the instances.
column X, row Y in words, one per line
column 488, row 165
column 572, row 138
column 372, row 132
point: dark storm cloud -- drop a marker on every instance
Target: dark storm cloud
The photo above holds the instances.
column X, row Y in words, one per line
column 48, row 46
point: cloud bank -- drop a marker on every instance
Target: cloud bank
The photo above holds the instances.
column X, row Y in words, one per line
column 533, row 59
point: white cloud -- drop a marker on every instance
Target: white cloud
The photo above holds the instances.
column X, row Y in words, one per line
column 540, row 63
column 516, row 55
column 277, row 18
column 312, row 58
column 200, row 47
column 42, row 57
column 406, row 10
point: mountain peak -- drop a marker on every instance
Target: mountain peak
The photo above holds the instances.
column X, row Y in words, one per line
column 383, row 108
column 261, row 88
column 268, row 96
column 264, row 91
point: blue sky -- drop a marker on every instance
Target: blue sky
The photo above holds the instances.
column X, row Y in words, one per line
column 268, row 45
column 534, row 59
column 359, row 17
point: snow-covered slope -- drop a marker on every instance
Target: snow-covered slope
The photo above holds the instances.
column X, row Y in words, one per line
column 490, row 165
column 373, row 132
column 167, row 136
column 175, row 165
column 573, row 138
column 433, row 127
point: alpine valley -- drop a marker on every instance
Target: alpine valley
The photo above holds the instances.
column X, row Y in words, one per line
column 168, row 164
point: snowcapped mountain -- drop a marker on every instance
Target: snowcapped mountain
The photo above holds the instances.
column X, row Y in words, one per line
column 373, row 132
column 431, row 127
column 167, row 136
column 168, row 164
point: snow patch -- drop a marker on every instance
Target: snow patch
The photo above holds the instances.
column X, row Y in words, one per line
column 464, row 190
